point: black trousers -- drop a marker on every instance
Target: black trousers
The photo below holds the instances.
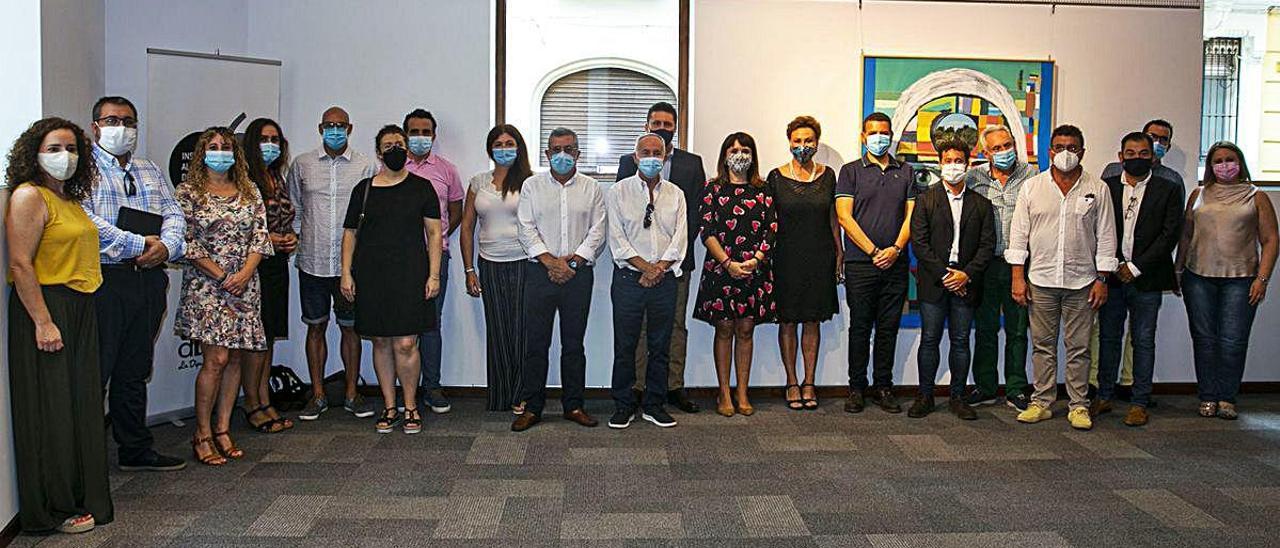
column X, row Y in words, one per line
column 650, row 308
column 542, row 300
column 875, row 300
column 130, row 305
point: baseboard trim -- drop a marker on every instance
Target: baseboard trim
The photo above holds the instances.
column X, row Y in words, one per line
column 833, row 391
column 9, row 532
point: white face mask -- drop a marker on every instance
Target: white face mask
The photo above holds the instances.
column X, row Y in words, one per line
column 59, row 165
column 1066, row 161
column 952, row 173
column 118, row 140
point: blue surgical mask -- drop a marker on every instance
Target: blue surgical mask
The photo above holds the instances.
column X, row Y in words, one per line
column 335, row 137
column 562, row 163
column 1005, row 159
column 419, row 145
column 504, row 157
column 878, row 144
column 270, row 152
column 1160, row 149
column 219, row 160
column 650, row 167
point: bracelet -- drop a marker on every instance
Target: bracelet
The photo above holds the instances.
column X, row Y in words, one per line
column 469, row 270
column 224, row 277
column 896, row 249
column 726, row 261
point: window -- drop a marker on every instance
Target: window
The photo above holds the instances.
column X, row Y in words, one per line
column 1220, row 102
column 606, row 107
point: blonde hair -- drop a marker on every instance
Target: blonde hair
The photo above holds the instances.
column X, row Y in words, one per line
column 198, row 175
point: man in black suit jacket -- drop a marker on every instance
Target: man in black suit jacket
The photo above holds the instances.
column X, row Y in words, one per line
column 951, row 256
column 1148, row 211
column 686, row 171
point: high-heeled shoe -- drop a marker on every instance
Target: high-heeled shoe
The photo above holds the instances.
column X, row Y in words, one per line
column 745, row 409
column 724, row 408
column 212, row 458
column 230, row 450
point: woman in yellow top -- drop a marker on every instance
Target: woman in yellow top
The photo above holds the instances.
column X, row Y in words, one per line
column 59, row 442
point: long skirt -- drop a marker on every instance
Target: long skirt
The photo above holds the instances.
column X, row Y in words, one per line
column 59, row 440
column 502, row 285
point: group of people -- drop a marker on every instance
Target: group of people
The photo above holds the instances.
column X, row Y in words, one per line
column 999, row 245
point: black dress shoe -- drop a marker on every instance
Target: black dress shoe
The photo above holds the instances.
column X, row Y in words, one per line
column 682, row 402
column 884, row 398
column 962, row 410
column 153, row 462
column 854, row 403
column 921, row 407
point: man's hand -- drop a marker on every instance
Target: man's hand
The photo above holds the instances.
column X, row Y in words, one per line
column 652, row 276
column 1020, row 291
column 1257, row 291
column 154, row 252
column 1124, row 274
column 558, row 270
column 237, row 282
column 885, row 258
column 955, row 281
column 1097, row 295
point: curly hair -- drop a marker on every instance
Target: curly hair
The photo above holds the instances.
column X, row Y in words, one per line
column 24, row 159
column 198, row 174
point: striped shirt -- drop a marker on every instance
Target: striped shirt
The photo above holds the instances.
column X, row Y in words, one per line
column 320, row 187
column 153, row 194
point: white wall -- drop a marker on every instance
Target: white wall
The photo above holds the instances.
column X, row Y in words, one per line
column 73, row 60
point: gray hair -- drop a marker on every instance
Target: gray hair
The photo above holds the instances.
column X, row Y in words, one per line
column 562, row 132
column 644, row 136
column 992, row 129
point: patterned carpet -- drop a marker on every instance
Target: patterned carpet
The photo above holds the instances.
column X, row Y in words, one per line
column 779, row 478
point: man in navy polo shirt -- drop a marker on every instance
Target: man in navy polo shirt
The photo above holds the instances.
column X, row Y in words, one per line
column 874, row 198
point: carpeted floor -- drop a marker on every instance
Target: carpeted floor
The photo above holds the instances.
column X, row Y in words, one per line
column 779, row 478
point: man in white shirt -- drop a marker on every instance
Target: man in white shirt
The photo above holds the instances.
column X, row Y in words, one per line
column 320, row 182
column 648, row 236
column 562, row 229
column 1062, row 247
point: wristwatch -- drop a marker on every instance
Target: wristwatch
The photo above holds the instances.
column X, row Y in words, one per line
column 574, row 264
column 1102, row 278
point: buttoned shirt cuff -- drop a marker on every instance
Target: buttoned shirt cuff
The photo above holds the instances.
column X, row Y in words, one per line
column 587, row 253
column 175, row 247
column 1133, row 269
column 1107, row 264
column 1015, row 256
column 131, row 246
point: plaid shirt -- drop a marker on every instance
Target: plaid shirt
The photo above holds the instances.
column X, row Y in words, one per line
column 1003, row 197
column 154, row 194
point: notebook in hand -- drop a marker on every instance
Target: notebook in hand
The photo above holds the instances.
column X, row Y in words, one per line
column 140, row 222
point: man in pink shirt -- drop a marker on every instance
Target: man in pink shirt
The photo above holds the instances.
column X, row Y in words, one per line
column 424, row 162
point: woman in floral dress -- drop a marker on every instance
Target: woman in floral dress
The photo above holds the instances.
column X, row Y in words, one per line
column 220, row 306
column 735, row 293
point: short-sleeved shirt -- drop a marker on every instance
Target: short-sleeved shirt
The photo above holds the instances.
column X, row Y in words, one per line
column 879, row 197
column 448, row 185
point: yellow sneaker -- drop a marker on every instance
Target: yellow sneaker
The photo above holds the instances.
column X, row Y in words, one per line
column 1035, row 413
column 1079, row 418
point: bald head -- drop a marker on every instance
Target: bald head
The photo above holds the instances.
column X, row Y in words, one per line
column 335, row 114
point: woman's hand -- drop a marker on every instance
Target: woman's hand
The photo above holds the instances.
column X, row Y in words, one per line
column 737, row 270
column 348, row 287
column 237, row 282
column 48, row 337
column 284, row 243
column 1257, row 291
column 433, row 287
column 473, row 284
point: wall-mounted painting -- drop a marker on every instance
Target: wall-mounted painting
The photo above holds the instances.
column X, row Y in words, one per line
column 932, row 100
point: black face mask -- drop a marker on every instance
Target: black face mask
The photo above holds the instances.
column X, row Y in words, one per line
column 666, row 134
column 395, row 158
column 1137, row 167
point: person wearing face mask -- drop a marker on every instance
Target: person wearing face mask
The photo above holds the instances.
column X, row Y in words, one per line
column 1148, row 219
column 999, row 181
column 562, row 230
column 737, row 224
column 1225, row 260
column 808, row 242
column 1161, row 134
column 1062, row 245
column 135, row 288
column 685, row 170
column 60, row 448
column 953, row 236
column 874, row 198
column 392, row 274
column 319, row 183
column 426, row 162
column 220, row 307
column 493, row 198
column 267, row 155
column 647, row 237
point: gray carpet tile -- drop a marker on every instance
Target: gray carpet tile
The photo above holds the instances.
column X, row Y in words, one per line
column 779, row 478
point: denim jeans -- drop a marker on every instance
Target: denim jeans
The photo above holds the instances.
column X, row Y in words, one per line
column 958, row 317
column 875, row 300
column 1220, row 317
column 1142, row 308
column 429, row 342
column 653, row 308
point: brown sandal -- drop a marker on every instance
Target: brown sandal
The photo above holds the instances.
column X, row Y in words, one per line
column 212, row 458
column 230, row 451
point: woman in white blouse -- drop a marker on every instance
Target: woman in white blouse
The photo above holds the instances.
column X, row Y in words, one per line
column 492, row 198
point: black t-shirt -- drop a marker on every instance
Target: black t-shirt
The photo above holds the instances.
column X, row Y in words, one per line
column 394, row 213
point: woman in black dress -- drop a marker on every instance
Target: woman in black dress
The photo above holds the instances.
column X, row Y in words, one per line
column 808, row 243
column 392, row 273
column 735, row 293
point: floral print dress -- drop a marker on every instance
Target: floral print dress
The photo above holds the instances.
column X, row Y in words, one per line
column 742, row 218
column 224, row 230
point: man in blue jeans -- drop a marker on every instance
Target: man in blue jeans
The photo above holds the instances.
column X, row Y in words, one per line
column 1148, row 215
column 647, row 235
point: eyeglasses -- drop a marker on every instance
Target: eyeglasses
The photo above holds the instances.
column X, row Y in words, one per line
column 333, row 125
column 570, row 149
column 1159, row 138
column 648, row 215
column 130, row 188
column 115, row 121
